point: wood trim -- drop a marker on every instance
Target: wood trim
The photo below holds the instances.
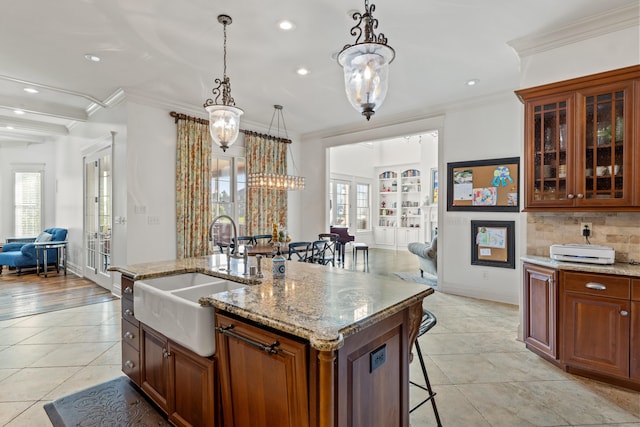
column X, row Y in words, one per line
column 613, row 76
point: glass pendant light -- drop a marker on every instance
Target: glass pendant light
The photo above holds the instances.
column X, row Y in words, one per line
column 366, row 64
column 224, row 119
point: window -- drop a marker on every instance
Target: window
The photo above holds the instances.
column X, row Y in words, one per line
column 339, row 194
column 27, row 202
column 228, row 193
column 350, row 199
column 363, row 212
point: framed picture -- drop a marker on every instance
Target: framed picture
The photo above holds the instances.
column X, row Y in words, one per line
column 434, row 186
column 484, row 185
column 493, row 243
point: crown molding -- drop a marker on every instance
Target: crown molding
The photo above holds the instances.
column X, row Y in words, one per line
column 583, row 29
column 169, row 105
column 112, row 100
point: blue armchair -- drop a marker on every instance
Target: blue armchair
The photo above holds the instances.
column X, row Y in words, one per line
column 22, row 254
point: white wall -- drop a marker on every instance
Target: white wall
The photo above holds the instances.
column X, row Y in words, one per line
column 487, row 130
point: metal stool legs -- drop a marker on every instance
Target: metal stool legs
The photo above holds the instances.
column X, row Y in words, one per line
column 428, row 321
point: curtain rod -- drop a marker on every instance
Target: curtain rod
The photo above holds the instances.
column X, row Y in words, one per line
column 180, row 116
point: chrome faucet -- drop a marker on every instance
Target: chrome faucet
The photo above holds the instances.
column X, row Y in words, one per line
column 234, row 241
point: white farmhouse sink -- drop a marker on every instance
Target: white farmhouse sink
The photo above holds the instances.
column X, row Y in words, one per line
column 169, row 305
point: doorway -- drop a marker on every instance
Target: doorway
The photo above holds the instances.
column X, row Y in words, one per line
column 98, row 217
column 399, row 204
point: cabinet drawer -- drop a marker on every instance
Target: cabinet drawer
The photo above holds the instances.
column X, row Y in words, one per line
column 597, row 284
column 131, row 362
column 635, row 289
column 127, row 288
column 127, row 311
column 131, row 334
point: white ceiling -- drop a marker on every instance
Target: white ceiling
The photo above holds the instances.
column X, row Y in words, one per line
column 171, row 51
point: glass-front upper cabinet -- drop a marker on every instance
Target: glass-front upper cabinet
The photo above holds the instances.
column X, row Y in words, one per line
column 605, row 146
column 579, row 142
column 551, row 171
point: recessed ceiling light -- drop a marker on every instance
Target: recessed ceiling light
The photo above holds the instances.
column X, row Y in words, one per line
column 18, row 111
column 472, row 82
column 93, row 58
column 286, row 25
column 31, row 90
column 302, row 71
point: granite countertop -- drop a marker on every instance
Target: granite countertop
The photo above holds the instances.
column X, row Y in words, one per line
column 321, row 304
column 618, row 268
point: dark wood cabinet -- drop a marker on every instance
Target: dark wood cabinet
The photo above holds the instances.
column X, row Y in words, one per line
column 261, row 386
column 270, row 379
column 540, row 299
column 596, row 320
column 130, row 333
column 634, row 353
column 581, row 142
column 594, row 329
column 180, row 382
column 154, row 366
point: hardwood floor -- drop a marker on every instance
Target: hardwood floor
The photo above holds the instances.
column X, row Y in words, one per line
column 382, row 261
column 29, row 294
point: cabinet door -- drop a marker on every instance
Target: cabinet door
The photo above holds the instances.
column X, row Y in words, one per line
column 635, row 341
column 634, row 368
column 549, row 152
column 596, row 333
column 191, row 379
column 540, row 309
column 259, row 388
column 604, row 171
column 154, row 366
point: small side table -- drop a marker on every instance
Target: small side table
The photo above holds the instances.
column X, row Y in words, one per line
column 61, row 258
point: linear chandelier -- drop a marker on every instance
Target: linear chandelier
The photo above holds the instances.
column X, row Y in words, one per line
column 275, row 181
column 366, row 64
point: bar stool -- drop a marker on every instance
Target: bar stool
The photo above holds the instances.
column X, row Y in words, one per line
column 365, row 252
column 428, row 322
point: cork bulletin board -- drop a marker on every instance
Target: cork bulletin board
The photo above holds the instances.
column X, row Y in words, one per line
column 493, row 243
column 484, row 185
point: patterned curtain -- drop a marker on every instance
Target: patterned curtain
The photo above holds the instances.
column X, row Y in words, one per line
column 265, row 207
column 193, row 187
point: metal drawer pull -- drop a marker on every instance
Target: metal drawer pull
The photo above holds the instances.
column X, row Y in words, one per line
column 128, row 290
column 129, row 364
column 128, row 312
column 596, row 286
column 128, row 335
column 624, row 313
column 271, row 349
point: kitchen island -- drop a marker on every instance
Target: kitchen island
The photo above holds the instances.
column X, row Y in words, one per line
column 323, row 347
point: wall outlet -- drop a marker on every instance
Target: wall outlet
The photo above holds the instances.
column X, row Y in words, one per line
column 586, row 225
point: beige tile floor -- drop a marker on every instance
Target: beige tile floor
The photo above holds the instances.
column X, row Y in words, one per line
column 482, row 374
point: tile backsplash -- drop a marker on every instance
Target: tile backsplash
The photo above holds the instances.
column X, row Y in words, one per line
column 619, row 230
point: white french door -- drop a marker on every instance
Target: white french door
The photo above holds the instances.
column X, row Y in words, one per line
column 97, row 217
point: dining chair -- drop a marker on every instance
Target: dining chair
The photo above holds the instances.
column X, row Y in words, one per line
column 262, row 239
column 323, row 252
column 300, row 250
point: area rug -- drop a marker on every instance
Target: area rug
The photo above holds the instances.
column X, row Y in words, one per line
column 114, row 403
column 414, row 276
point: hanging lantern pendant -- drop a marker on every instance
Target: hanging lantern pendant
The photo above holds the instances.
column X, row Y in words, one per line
column 224, row 118
column 366, row 64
